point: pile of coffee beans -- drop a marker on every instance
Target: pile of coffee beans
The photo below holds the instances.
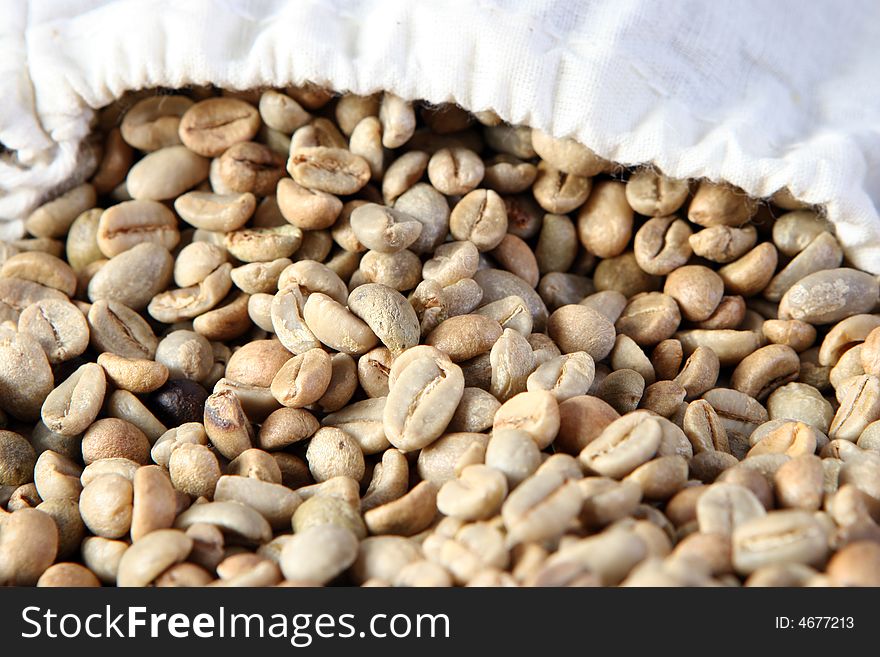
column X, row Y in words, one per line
column 295, row 337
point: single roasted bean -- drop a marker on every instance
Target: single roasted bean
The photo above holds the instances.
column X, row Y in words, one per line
column 178, row 402
column 828, row 296
column 779, row 537
column 421, row 402
column 72, row 407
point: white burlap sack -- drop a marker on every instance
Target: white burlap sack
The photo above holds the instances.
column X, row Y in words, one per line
column 761, row 94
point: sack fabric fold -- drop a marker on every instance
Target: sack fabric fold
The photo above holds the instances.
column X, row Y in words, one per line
column 764, row 95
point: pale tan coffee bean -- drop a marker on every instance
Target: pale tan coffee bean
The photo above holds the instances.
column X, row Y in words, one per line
column 666, row 359
column 725, row 506
column 730, row 314
column 122, row 278
column 351, row 108
column 384, row 229
column 764, row 370
column 455, row 171
column 565, row 376
column 730, row 346
column 112, row 438
column 59, row 327
column 68, row 575
column 72, row 407
column 790, row 438
column 366, row 141
column 281, row 112
column 285, row 310
column 858, row 408
column 848, row 367
column 605, row 221
column 123, row 467
column 624, row 275
column 196, row 261
column 697, row 289
column 332, row 170
column 186, row 303
column 437, row 461
column 216, row 212
column 452, row 262
column 622, row 390
column 404, row 172
column 798, row 335
column 115, row 163
column 581, row 420
column 855, row 565
column 740, row 415
column 106, row 506
column 476, row 494
column 250, row 167
column 25, row 375
column 793, row 231
column 16, row 294
column 606, row 500
column 536, row 413
column 509, row 175
column 579, row 328
column 846, row 334
column 329, row 510
column 336, row 326
column 102, row 556
column 263, row 244
column 540, row 508
column 652, row 194
column 152, row 123
column 799, row 483
column 661, row 478
column 480, row 217
column 226, row 424
column 303, row 379
column 703, row 428
column 716, row 204
column 559, row 289
column 244, row 522
column 82, row 247
column 515, row 140
column 750, row 274
column 792, row 536
column 274, row 502
column 166, row 173
column 516, row 256
column 514, row 453
column 661, row 244
column 398, row 120
column 17, row 459
column 723, row 244
column 623, row 445
column 362, row 421
column 116, row 328
column 828, row 296
column 557, row 244
column 559, row 192
column 870, row 354
column 475, row 411
column 28, row 546
column 431, row 209
column 799, row 401
column 511, row 313
column 227, row 322
column 42, row 268
column 383, row 557
column 421, row 402
column 211, row 126
column 372, row 371
column 407, row 515
column 333, row 453
column 497, row 284
column 649, row 318
column 699, row 372
column 57, row 476
column 567, row 155
column 318, row 554
column 311, row 276
column 465, row 336
column 148, row 557
column 626, row 354
column 512, row 361
column 153, row 505
column 305, row 208
column 52, row 219
column 390, row 480
column 388, row 314
column 663, row 397
column 824, row 252
column 255, row 464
